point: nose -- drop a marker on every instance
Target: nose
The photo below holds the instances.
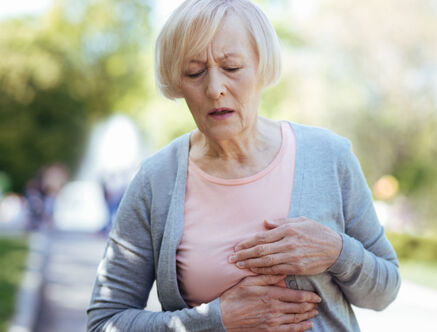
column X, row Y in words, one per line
column 215, row 84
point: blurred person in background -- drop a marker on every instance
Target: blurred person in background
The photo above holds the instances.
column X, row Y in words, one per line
column 41, row 192
column 246, row 224
column 113, row 187
column 35, row 203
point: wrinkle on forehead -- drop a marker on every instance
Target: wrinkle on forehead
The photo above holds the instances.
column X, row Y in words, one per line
column 221, row 47
column 225, row 56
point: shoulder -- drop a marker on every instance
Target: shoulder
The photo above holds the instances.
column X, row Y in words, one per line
column 328, row 150
column 157, row 173
column 321, row 142
column 167, row 160
column 325, row 152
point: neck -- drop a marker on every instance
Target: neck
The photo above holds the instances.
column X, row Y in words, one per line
column 249, row 145
column 236, row 148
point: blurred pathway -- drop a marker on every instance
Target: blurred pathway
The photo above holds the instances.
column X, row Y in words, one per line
column 72, row 267
column 415, row 309
column 71, row 270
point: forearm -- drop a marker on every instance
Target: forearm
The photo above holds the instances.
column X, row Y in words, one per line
column 367, row 280
column 124, row 279
column 204, row 318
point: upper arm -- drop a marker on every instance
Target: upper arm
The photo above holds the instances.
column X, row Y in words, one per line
column 126, row 272
column 361, row 220
column 367, row 268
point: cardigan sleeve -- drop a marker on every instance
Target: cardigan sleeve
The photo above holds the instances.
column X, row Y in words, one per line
column 126, row 274
column 367, row 268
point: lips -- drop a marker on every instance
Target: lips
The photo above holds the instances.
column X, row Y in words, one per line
column 221, row 111
column 220, row 114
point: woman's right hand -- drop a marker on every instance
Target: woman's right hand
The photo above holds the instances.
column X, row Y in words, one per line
column 256, row 304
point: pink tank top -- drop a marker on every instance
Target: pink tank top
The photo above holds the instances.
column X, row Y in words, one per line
column 219, row 213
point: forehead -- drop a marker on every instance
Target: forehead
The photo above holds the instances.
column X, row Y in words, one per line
column 231, row 41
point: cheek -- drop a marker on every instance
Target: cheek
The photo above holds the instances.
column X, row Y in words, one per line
column 192, row 98
column 247, row 91
column 187, row 93
column 248, row 83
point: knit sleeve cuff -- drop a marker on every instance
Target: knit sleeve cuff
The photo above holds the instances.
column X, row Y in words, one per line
column 349, row 256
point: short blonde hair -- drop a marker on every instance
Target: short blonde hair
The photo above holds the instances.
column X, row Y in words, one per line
column 191, row 28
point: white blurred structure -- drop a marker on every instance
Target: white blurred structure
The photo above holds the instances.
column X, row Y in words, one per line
column 23, row 7
column 80, row 206
column 114, row 154
column 414, row 309
column 12, row 211
column 115, row 147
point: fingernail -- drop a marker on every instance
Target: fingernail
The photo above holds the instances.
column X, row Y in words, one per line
column 232, row 259
column 237, row 248
column 240, row 264
column 309, row 324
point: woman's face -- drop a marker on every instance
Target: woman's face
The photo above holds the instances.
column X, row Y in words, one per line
column 221, row 86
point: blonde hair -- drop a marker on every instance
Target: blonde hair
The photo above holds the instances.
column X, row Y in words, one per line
column 191, row 28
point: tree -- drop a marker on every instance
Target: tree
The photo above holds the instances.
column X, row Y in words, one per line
column 62, row 72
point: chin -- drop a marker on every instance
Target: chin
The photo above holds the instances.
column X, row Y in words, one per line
column 222, row 133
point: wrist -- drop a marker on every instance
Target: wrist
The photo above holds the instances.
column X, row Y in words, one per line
column 336, row 249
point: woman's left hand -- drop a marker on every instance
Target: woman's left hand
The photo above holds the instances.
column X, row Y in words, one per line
column 289, row 246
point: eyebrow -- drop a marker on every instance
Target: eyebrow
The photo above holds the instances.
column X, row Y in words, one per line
column 225, row 56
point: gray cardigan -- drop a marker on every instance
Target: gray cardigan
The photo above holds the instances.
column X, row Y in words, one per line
column 329, row 187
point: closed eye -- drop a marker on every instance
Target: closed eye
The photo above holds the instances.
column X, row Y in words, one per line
column 232, row 69
column 194, row 75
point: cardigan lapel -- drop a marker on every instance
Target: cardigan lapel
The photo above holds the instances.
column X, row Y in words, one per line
column 168, row 289
column 299, row 168
column 295, row 204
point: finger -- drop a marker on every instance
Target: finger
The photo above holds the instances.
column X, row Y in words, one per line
column 295, row 308
column 258, row 251
column 285, row 268
column 260, row 238
column 262, row 280
column 275, row 269
column 282, row 221
column 265, row 261
column 293, row 295
column 296, row 318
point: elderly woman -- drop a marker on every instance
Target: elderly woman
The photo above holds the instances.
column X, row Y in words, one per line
column 246, row 224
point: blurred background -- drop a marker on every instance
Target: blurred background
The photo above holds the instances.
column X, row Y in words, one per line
column 79, row 110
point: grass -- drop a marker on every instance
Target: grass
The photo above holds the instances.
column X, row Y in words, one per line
column 13, row 254
column 422, row 273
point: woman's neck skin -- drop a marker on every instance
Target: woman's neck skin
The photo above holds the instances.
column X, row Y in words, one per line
column 240, row 156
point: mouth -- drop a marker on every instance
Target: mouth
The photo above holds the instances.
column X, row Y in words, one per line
column 220, row 111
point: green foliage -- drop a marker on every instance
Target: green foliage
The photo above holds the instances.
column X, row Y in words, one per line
column 422, row 273
column 409, row 247
column 417, row 256
column 61, row 73
column 5, row 183
column 13, row 252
